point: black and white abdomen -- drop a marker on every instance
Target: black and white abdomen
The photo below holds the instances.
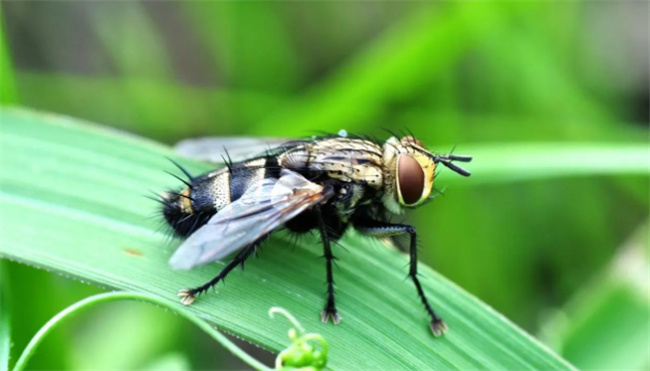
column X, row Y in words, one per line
column 188, row 210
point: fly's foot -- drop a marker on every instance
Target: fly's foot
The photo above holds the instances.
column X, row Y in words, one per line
column 328, row 313
column 187, row 296
column 438, row 327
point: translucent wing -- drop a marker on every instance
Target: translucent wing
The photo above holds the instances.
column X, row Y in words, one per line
column 216, row 149
column 260, row 210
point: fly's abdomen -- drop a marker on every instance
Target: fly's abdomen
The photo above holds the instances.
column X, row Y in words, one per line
column 188, row 210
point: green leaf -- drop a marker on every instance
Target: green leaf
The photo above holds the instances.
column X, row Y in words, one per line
column 610, row 313
column 172, row 361
column 8, row 90
column 392, row 68
column 71, row 202
column 136, row 37
column 247, row 40
column 530, row 161
column 162, row 109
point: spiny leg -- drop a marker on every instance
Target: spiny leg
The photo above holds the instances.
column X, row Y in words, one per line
column 383, row 230
column 330, row 308
column 188, row 295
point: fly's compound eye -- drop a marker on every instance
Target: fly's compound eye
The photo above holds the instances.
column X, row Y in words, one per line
column 410, row 180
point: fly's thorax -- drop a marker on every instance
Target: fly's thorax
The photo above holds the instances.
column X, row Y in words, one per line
column 343, row 159
column 409, row 171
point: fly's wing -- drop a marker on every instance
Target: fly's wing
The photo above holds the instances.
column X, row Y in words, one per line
column 216, row 149
column 260, row 210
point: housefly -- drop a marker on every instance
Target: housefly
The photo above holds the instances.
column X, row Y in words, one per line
column 326, row 184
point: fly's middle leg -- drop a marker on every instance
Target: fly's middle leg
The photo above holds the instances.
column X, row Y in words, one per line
column 188, row 295
column 330, row 308
column 383, row 230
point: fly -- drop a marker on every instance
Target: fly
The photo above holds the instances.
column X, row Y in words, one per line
column 326, row 184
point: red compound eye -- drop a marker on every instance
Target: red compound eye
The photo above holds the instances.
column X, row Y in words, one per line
column 411, row 179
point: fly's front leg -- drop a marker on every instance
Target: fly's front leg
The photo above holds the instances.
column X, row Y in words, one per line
column 384, row 230
column 330, row 308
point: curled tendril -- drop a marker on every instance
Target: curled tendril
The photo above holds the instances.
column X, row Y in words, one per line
column 306, row 352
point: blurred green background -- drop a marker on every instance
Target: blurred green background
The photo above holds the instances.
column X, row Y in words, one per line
column 566, row 259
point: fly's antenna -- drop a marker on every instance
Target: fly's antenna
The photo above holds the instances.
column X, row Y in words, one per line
column 447, row 161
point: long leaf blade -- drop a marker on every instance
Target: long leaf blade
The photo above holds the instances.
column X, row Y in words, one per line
column 71, row 202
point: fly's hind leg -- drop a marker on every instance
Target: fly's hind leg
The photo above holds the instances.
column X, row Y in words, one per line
column 188, row 295
column 330, row 308
column 383, row 230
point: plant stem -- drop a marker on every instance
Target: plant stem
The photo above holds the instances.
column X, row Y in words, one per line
column 115, row 296
column 5, row 319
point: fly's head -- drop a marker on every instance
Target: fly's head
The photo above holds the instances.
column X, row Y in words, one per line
column 409, row 171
